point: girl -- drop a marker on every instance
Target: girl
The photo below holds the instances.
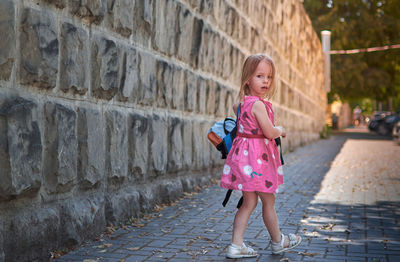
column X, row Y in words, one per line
column 253, row 164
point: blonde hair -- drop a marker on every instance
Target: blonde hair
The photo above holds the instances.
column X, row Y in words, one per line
column 249, row 67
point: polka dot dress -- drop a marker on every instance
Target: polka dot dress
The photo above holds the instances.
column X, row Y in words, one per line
column 253, row 164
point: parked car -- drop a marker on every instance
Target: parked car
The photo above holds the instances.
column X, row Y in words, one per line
column 396, row 133
column 383, row 122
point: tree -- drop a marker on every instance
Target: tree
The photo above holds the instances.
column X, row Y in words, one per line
column 361, row 24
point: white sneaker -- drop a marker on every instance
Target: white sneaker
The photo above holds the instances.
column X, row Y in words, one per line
column 235, row 251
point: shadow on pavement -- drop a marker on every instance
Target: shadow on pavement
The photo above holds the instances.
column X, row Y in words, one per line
column 335, row 230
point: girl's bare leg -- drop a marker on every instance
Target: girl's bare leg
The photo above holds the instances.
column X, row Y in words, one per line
column 270, row 218
column 269, row 215
column 242, row 217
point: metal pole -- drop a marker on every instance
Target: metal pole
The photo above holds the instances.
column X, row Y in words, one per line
column 326, row 48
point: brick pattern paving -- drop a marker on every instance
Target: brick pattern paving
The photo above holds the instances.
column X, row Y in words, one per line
column 340, row 194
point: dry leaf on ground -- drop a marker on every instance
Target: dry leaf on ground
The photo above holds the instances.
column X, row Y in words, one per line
column 328, row 226
column 133, row 248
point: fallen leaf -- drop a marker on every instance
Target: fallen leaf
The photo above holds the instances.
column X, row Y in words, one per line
column 328, row 226
column 308, row 254
column 133, row 248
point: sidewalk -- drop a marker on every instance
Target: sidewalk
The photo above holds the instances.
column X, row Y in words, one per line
column 342, row 195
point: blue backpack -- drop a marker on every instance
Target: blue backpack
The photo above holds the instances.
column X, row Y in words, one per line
column 222, row 133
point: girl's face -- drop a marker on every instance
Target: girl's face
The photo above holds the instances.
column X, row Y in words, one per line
column 260, row 82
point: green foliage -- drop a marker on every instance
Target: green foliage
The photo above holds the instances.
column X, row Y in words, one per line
column 366, row 105
column 361, row 24
column 326, row 131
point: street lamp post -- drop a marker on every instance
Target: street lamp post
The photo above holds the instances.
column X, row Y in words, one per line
column 326, row 48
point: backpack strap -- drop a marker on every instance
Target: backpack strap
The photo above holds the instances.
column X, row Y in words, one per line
column 229, row 192
column 278, row 143
column 228, row 195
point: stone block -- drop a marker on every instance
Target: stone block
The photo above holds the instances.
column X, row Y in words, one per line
column 20, row 148
column 196, row 42
column 170, row 190
column 147, row 69
column 149, row 196
column 159, row 143
column 175, row 145
column 198, row 147
column 207, row 8
column 166, row 25
column 116, row 146
column 30, row 234
column 203, row 52
column 74, row 54
column 7, row 40
column 122, row 205
column 164, row 84
column 138, row 140
column 121, row 13
column 201, row 96
column 81, row 219
column 187, row 140
column 40, row 49
column 130, row 76
column 190, row 91
column 220, row 101
column 225, row 17
column 211, row 97
column 178, row 86
column 143, row 22
column 217, row 59
column 105, row 68
column 211, row 55
column 60, row 148
column 235, row 23
column 91, row 11
column 227, row 51
column 189, row 37
column 91, row 148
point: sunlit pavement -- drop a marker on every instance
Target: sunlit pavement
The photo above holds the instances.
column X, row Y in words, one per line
column 341, row 194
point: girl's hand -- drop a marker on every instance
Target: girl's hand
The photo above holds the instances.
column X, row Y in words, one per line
column 283, row 131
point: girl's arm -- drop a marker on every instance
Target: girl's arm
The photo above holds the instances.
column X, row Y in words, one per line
column 260, row 113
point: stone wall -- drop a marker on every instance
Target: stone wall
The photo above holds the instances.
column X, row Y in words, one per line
column 105, row 105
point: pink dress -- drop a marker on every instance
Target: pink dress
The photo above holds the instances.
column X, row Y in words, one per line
column 253, row 164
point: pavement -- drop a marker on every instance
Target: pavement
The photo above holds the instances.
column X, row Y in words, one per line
column 341, row 194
